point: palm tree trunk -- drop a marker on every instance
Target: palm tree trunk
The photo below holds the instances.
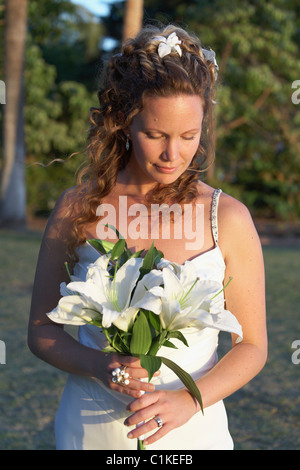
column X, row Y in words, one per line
column 133, row 18
column 13, row 193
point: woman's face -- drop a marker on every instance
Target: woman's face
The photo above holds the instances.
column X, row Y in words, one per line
column 165, row 137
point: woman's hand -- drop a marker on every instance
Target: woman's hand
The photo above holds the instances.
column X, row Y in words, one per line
column 136, row 373
column 174, row 408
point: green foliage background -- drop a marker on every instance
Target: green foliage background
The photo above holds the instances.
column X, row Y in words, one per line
column 257, row 45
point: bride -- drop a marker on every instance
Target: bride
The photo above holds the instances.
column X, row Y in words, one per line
column 149, row 141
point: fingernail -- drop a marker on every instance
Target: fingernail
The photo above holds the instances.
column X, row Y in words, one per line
column 129, row 435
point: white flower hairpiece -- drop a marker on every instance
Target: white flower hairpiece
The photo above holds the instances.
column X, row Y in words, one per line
column 210, row 55
column 168, row 45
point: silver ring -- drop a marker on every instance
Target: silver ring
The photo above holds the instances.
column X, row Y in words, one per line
column 159, row 421
column 120, row 376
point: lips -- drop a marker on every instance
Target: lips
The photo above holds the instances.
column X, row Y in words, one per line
column 165, row 169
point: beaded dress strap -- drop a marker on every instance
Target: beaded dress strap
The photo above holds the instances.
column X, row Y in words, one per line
column 214, row 214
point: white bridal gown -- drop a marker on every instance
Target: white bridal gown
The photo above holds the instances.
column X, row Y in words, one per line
column 91, row 416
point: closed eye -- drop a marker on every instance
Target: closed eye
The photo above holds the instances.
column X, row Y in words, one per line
column 151, row 136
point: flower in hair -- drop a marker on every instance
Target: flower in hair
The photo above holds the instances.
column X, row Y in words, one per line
column 210, row 56
column 168, row 45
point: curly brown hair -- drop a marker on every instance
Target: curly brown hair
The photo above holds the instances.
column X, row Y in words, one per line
column 138, row 71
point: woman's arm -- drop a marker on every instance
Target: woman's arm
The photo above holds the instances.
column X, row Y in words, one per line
column 245, row 298
column 48, row 340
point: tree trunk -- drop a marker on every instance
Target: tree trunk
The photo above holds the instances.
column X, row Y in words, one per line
column 13, row 192
column 133, row 18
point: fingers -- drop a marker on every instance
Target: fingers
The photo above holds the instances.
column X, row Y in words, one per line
column 133, row 366
column 126, row 375
column 143, row 409
column 148, row 427
column 159, row 412
column 146, row 420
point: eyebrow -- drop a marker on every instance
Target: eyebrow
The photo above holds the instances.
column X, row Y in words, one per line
column 150, row 129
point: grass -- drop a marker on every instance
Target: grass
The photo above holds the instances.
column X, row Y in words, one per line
column 29, row 388
column 263, row 415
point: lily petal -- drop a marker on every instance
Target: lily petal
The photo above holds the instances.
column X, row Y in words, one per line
column 153, row 279
column 109, row 316
column 125, row 320
column 224, row 321
column 172, row 286
column 73, row 310
column 89, row 291
column 126, row 278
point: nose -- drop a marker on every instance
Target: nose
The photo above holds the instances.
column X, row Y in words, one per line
column 171, row 151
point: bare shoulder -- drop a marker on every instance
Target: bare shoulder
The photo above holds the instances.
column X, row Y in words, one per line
column 236, row 226
column 229, row 207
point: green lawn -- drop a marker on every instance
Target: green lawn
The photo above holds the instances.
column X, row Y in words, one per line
column 263, row 415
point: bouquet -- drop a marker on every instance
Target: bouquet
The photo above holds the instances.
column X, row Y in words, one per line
column 142, row 303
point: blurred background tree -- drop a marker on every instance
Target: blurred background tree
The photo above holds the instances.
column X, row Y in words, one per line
column 61, row 72
column 257, row 45
column 13, row 188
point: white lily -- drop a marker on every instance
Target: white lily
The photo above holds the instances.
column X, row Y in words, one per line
column 168, row 45
column 143, row 296
column 73, row 310
column 105, row 294
column 186, row 302
column 63, row 286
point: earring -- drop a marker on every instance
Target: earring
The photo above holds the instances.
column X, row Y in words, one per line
column 127, row 145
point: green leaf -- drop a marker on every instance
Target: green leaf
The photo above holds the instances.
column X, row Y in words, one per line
column 185, row 378
column 168, row 344
column 118, row 344
column 120, row 237
column 136, row 254
column 154, row 346
column 178, row 335
column 101, row 245
column 147, row 262
column 118, row 249
column 157, row 256
column 151, row 364
column 141, row 335
column 157, row 343
column 108, row 349
column 126, row 255
column 154, row 320
column 96, row 322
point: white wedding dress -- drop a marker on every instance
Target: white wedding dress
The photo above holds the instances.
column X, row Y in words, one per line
column 91, row 416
